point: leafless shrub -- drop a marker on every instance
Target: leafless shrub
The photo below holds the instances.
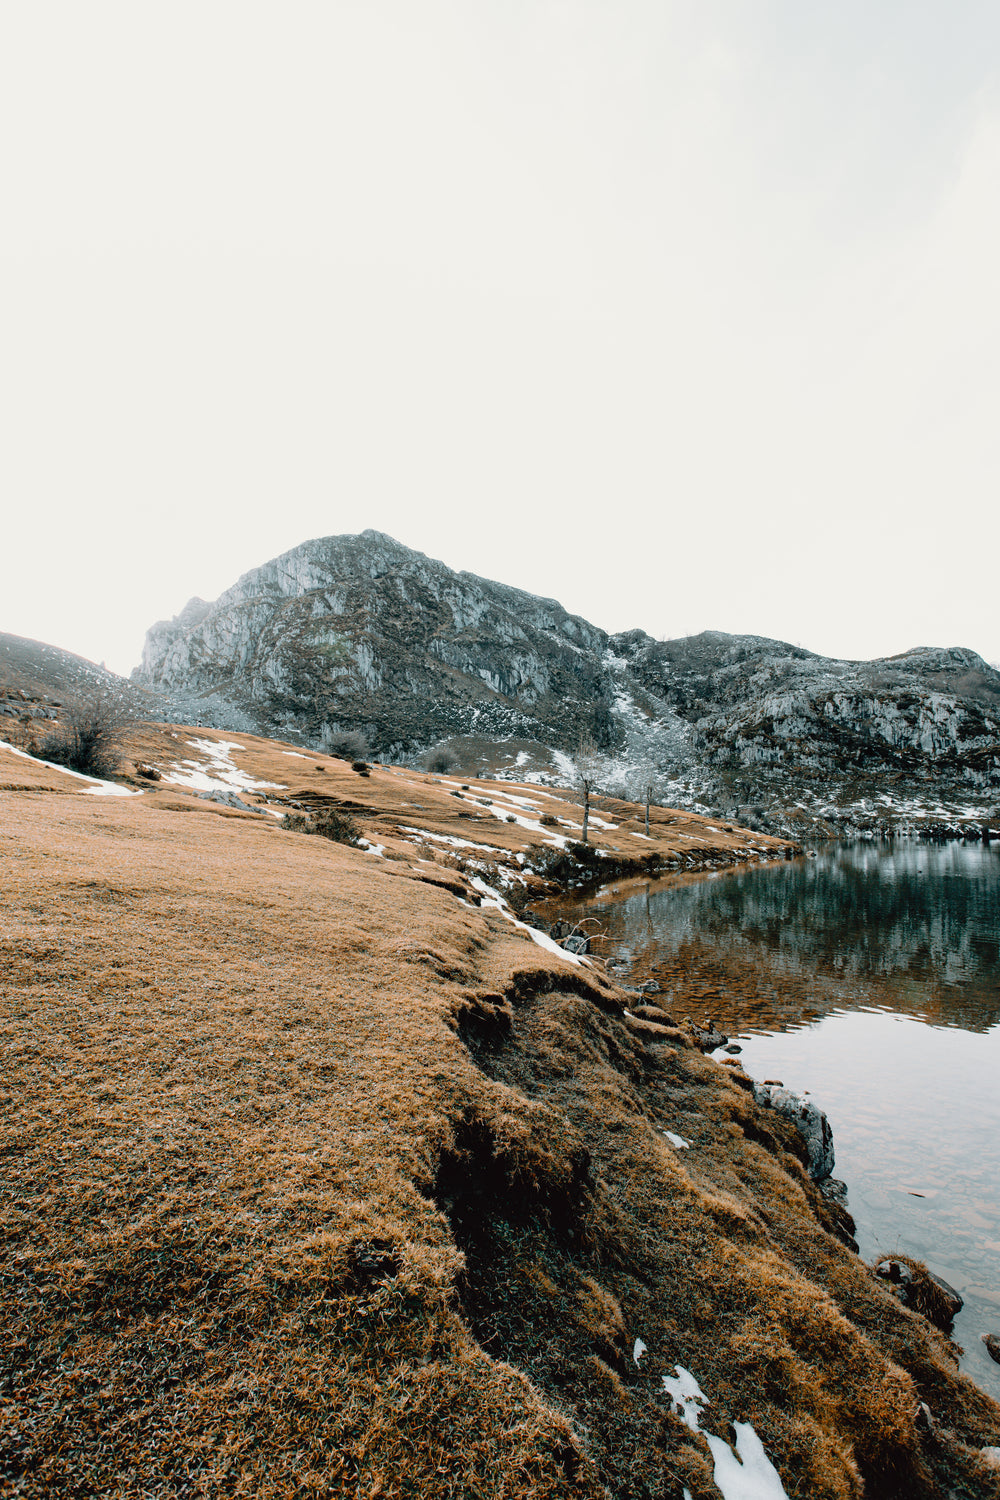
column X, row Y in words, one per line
column 89, row 734
column 440, row 760
column 331, row 823
column 345, row 744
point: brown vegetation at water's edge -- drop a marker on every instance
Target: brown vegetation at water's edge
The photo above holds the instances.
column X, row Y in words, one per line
column 321, row 1180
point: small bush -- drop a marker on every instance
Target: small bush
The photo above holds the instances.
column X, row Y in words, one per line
column 510, row 818
column 89, row 734
column 548, row 820
column 331, row 823
column 362, row 767
column 439, row 760
column 465, row 786
column 345, row 744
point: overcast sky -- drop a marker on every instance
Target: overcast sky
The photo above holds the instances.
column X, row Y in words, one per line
column 687, row 314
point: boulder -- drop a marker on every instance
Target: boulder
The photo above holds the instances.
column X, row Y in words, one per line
column 809, row 1120
column 992, row 1342
column 229, row 799
column 919, row 1289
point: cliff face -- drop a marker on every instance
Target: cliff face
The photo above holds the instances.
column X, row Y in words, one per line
column 773, row 722
column 360, row 632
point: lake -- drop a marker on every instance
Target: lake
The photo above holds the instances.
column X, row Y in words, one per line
column 869, row 977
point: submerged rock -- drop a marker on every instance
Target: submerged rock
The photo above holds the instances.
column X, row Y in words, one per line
column 809, row 1120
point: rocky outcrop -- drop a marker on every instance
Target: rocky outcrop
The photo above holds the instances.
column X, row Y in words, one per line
column 359, row 632
column 809, row 1120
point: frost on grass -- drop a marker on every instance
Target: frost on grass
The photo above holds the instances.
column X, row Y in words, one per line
column 741, row 1473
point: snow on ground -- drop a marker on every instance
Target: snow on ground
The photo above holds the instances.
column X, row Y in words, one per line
column 677, row 1141
column 638, row 1350
column 448, row 838
column 493, row 898
column 743, row 1473
column 96, row 788
column 505, row 805
column 217, row 773
column 371, row 848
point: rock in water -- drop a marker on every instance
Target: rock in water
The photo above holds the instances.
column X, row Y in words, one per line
column 809, row 1120
column 919, row 1289
column 992, row 1342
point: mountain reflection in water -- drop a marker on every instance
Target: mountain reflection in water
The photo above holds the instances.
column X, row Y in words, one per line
column 869, row 977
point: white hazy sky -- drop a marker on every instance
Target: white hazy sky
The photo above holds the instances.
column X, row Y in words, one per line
column 687, row 314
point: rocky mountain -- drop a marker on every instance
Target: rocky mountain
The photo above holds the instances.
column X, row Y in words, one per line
column 362, row 633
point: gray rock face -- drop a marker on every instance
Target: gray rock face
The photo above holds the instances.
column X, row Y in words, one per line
column 229, row 799
column 359, row 632
column 808, row 1119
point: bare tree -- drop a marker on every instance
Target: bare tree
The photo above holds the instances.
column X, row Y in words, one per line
column 89, row 734
column 587, row 763
column 643, row 785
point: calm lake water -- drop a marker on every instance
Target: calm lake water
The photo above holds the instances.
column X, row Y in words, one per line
column 868, row 977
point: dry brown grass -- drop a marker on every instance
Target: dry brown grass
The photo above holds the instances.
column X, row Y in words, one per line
column 319, row 1182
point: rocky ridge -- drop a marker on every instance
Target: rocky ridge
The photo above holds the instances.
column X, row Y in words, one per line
column 360, row 632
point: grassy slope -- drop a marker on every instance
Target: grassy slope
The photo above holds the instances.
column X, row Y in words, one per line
column 317, row 1181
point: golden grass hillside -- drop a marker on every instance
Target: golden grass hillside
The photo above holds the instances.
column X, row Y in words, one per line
column 320, row 1179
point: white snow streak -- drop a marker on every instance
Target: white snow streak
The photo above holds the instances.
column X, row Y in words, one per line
column 743, row 1473
column 96, row 788
column 493, row 898
column 217, row 773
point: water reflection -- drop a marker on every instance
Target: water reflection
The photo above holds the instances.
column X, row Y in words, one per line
column 869, row 976
column 909, row 926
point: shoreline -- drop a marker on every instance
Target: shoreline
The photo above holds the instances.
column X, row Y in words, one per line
column 324, row 1173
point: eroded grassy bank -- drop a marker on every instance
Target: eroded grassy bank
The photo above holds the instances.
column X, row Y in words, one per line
column 322, row 1179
